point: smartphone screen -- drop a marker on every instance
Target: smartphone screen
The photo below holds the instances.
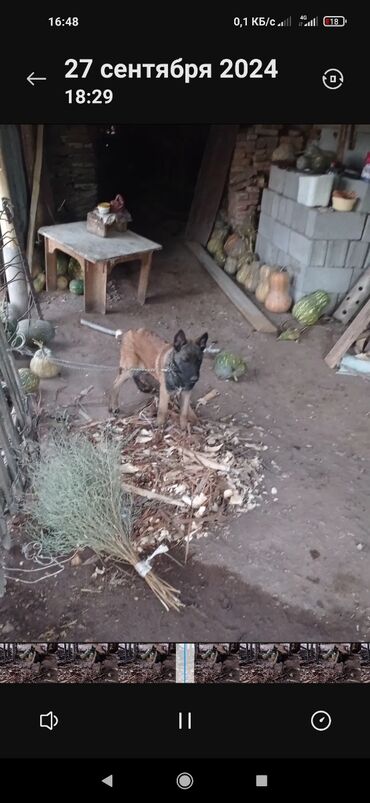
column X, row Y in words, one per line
column 184, row 405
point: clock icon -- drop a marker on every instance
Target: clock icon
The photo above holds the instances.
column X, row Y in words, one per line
column 321, row 721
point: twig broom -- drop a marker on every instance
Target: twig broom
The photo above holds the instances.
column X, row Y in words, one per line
column 78, row 501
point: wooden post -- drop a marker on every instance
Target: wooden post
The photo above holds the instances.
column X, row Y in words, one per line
column 35, row 194
column 16, row 282
column 146, row 264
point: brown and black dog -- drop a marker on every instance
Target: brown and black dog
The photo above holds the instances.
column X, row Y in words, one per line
column 146, row 357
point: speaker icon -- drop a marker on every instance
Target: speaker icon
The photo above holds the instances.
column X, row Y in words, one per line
column 48, row 721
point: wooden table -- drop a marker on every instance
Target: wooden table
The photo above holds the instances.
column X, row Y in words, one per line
column 97, row 256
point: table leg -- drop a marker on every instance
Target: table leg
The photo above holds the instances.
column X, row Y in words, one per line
column 146, row 264
column 95, row 286
column 50, row 265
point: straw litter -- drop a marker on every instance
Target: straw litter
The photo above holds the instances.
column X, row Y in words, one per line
column 187, row 482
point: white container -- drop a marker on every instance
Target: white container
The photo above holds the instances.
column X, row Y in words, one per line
column 315, row 190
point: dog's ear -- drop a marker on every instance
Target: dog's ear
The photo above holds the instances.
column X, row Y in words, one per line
column 202, row 341
column 179, row 340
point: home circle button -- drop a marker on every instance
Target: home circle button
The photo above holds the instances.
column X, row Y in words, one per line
column 184, row 780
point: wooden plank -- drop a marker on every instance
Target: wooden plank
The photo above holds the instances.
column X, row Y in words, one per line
column 95, row 286
column 354, row 300
column 35, row 194
column 254, row 316
column 353, row 331
column 211, row 182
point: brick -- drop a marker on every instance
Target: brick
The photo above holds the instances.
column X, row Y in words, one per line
column 280, row 236
column 327, row 224
column 276, row 179
column 357, row 254
column 334, row 280
column 366, row 233
column 336, row 253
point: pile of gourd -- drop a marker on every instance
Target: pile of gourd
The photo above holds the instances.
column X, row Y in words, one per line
column 69, row 274
column 235, row 255
column 271, row 285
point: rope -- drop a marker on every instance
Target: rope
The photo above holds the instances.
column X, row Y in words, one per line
column 79, row 365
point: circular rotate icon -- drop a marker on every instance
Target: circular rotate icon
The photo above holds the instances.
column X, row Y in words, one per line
column 333, row 78
column 321, row 720
column 184, row 780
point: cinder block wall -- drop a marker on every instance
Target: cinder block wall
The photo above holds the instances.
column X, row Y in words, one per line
column 322, row 249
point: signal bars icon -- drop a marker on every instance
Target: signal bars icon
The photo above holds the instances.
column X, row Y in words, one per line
column 285, row 23
column 306, row 23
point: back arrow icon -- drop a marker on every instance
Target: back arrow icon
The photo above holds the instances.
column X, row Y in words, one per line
column 31, row 78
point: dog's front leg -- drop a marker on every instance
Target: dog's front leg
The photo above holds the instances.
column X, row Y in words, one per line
column 119, row 380
column 186, row 413
column 163, row 405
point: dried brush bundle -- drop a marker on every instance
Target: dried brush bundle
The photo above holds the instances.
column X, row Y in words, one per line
column 78, row 501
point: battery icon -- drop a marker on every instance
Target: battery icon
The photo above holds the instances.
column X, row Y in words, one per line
column 334, row 22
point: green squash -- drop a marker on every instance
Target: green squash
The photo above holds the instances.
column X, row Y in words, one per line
column 77, row 286
column 28, row 380
column 62, row 264
column 310, row 308
column 39, row 282
column 229, row 366
column 62, row 282
column 74, row 269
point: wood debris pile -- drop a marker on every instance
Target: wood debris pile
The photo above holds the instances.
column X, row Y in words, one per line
column 187, row 481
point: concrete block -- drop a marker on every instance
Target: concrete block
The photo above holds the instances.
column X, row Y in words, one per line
column 362, row 190
column 273, row 255
column 336, row 253
column 326, row 224
column 262, row 244
column 300, row 217
column 266, row 225
column 334, row 280
column 315, row 190
column 357, row 254
column 277, row 178
column 275, row 205
column 266, row 202
column 366, row 232
column 280, row 236
column 319, row 250
column 282, row 259
column 291, row 184
column 306, row 251
column 285, row 214
column 300, row 248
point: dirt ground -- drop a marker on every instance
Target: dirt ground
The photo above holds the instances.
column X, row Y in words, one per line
column 295, row 568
